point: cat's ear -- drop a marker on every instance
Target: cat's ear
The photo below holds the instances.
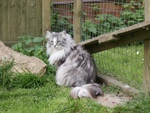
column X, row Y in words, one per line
column 63, row 33
column 48, row 35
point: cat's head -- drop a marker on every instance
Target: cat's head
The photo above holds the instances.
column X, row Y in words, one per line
column 58, row 40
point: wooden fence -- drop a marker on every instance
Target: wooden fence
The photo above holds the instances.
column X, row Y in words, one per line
column 23, row 17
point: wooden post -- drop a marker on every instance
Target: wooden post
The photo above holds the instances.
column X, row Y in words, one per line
column 45, row 16
column 77, row 20
column 50, row 14
column 146, row 76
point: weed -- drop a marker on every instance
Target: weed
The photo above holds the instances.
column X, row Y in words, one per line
column 31, row 46
column 5, row 74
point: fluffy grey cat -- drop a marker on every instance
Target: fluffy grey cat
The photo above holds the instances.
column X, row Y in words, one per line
column 75, row 66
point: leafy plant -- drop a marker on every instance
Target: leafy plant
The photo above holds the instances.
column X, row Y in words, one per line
column 60, row 23
column 108, row 23
column 31, row 46
column 130, row 16
column 89, row 29
column 34, row 46
column 5, row 74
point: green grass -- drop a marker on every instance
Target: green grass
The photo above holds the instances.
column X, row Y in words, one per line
column 123, row 63
column 29, row 93
column 32, row 94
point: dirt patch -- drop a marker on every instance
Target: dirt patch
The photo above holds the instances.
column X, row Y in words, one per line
column 113, row 100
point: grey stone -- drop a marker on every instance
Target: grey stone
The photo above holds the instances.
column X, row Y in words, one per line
column 22, row 63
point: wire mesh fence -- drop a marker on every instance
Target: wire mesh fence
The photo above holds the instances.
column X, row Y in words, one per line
column 62, row 15
column 123, row 63
column 103, row 16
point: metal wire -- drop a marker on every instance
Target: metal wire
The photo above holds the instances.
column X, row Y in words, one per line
column 62, row 16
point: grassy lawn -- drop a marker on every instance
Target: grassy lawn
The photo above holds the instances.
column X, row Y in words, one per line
column 123, row 63
column 27, row 93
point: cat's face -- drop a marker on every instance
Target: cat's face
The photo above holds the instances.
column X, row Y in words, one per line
column 56, row 40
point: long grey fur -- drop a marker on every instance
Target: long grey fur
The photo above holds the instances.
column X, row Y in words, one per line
column 75, row 66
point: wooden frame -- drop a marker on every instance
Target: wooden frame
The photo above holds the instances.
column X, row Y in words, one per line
column 45, row 16
column 118, row 38
column 77, row 20
column 146, row 75
column 124, row 36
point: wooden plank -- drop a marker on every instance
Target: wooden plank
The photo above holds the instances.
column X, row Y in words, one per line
column 142, row 34
column 23, row 18
column 108, row 37
column 77, row 20
column 9, row 19
column 124, row 87
column 45, row 16
column 18, row 9
column 38, row 18
column 1, row 3
column 146, row 75
column 4, row 24
column 31, row 17
column 13, row 20
column 51, row 3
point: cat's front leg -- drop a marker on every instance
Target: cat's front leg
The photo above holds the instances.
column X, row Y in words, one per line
column 51, row 61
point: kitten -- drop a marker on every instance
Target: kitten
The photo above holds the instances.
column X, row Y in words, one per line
column 75, row 66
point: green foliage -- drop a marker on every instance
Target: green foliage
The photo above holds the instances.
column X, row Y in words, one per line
column 5, row 74
column 109, row 23
column 31, row 46
column 27, row 80
column 34, row 46
column 95, row 7
column 122, row 63
column 60, row 23
column 130, row 16
column 88, row 28
column 10, row 80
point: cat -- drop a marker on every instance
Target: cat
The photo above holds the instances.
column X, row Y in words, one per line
column 75, row 66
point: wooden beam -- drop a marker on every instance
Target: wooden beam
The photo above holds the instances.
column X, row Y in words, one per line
column 146, row 75
column 77, row 18
column 118, row 38
column 124, row 87
column 45, row 16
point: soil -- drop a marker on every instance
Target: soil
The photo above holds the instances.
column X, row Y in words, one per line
column 113, row 100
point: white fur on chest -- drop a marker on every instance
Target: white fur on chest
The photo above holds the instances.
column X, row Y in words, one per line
column 56, row 55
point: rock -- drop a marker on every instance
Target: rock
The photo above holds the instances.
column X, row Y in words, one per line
column 22, row 63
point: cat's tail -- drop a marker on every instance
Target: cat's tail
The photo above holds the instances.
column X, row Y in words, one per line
column 88, row 90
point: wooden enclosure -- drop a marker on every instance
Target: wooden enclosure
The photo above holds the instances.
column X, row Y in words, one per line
column 124, row 36
column 23, row 17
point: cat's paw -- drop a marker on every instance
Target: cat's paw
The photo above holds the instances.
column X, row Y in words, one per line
column 51, row 62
